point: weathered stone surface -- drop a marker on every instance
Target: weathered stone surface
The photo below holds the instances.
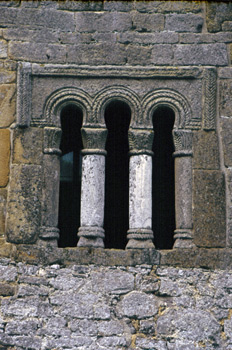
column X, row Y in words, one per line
column 139, row 305
column 22, row 154
column 7, row 289
column 39, row 18
column 183, row 192
column 8, row 273
column 40, row 35
column 136, row 54
column 184, row 23
column 209, row 208
column 7, row 76
column 114, row 282
column 7, row 104
column 217, row 14
column 168, row 6
column 196, row 326
column 50, row 195
column 4, row 156
column 23, row 327
column 37, row 52
column 96, row 54
column 192, row 38
column 3, row 196
column 3, row 48
column 105, row 21
column 205, row 157
column 162, row 54
column 225, row 91
column 226, row 130
column 201, row 54
column 80, row 5
column 24, row 211
column 148, row 38
column 142, row 22
column 227, row 26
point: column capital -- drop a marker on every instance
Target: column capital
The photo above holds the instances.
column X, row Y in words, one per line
column 52, row 138
column 94, row 140
column 183, row 140
column 140, row 141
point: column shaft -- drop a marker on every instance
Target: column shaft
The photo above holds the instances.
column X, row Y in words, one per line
column 140, row 233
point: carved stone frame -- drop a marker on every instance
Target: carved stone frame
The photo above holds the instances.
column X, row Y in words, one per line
column 142, row 109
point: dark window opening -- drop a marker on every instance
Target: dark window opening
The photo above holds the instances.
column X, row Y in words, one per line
column 116, row 218
column 70, row 176
column 163, row 186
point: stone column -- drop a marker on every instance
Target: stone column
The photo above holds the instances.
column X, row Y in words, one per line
column 91, row 232
column 140, row 232
column 183, row 188
column 49, row 231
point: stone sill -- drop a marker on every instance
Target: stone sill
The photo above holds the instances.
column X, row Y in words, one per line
column 208, row 258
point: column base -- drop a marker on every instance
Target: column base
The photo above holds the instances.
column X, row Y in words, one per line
column 183, row 239
column 48, row 236
column 91, row 236
column 140, row 239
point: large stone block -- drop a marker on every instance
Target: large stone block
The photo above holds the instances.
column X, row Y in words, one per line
column 139, row 305
column 96, row 54
column 41, row 35
column 216, row 14
column 201, row 54
column 137, row 54
column 209, row 208
column 103, row 21
column 144, row 22
column 24, row 201
column 169, row 6
column 205, row 157
column 148, row 38
column 162, row 54
column 226, row 136
column 27, row 146
column 4, row 156
column 7, row 104
column 184, row 23
column 37, row 52
column 48, row 18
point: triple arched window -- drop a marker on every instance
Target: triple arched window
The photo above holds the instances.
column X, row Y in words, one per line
column 126, row 163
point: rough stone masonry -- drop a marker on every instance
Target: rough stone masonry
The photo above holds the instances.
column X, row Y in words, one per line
column 100, row 299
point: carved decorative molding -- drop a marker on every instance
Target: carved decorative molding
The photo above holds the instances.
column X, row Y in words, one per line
column 172, row 99
column 113, row 93
column 49, row 117
column 115, row 72
column 61, row 98
column 52, row 138
column 183, row 140
column 24, row 94
column 210, row 92
column 140, row 141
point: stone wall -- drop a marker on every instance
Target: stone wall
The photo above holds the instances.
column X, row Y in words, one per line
column 172, row 300
column 89, row 307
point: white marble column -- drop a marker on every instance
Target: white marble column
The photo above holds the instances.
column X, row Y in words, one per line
column 91, row 232
column 140, row 232
column 183, row 188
